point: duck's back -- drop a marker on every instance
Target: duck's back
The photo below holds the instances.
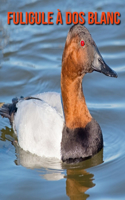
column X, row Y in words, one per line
column 53, row 99
column 39, row 124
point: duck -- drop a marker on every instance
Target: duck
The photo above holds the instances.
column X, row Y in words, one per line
column 67, row 131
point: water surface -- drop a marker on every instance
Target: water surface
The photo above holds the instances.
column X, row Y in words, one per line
column 30, row 63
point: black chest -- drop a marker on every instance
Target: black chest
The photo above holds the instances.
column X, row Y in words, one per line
column 81, row 143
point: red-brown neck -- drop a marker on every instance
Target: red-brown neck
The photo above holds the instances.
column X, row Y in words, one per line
column 75, row 109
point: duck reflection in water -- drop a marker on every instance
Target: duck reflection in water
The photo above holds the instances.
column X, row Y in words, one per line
column 77, row 183
column 78, row 180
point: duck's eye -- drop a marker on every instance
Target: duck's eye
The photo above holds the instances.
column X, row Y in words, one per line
column 82, row 43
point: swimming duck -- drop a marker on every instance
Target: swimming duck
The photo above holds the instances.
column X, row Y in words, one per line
column 38, row 121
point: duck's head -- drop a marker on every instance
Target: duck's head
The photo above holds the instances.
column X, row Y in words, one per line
column 81, row 55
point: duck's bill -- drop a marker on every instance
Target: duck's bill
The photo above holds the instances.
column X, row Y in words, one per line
column 99, row 65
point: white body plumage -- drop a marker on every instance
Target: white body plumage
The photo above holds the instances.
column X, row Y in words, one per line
column 39, row 124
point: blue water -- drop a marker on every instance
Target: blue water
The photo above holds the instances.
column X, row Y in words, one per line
column 30, row 63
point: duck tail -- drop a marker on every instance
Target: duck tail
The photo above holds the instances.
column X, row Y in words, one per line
column 9, row 110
